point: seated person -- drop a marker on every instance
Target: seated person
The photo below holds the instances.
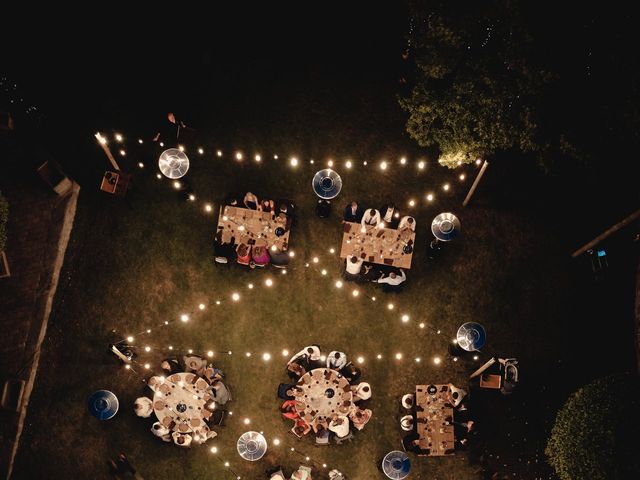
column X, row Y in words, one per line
column 220, row 393
column 212, row 374
column 392, row 279
column 295, row 370
column 143, row 407
column 224, row 249
column 362, row 391
column 243, row 252
column 360, row 417
column 310, row 354
column 411, row 442
column 319, row 423
column 353, row 265
column 351, row 373
column 288, row 391
column 336, row 360
column 371, row 217
column 194, row 364
column 288, row 410
column 154, row 382
column 279, row 256
column 353, row 213
column 182, row 440
column 389, row 215
column 170, row 366
column 323, row 208
column 260, row 255
column 339, row 425
column 161, row 431
column 286, row 210
column 251, row 201
column 322, row 434
column 202, row 434
column 267, row 206
column 407, row 222
column 301, row 428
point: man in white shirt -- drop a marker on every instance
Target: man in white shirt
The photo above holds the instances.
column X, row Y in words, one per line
column 389, row 214
column 161, row 431
column 312, row 352
column 407, row 222
column 392, row 279
column 371, row 217
column 362, row 391
column 182, row 440
column 340, row 426
column 354, row 265
column 143, row 407
column 337, row 360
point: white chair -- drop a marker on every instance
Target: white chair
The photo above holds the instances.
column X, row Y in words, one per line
column 407, row 401
column 143, row 407
column 406, row 423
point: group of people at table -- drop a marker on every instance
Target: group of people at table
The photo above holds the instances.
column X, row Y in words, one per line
column 387, row 217
column 458, row 419
column 256, row 255
column 309, row 366
column 205, row 386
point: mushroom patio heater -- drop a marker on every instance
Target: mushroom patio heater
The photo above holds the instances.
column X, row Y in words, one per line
column 103, row 404
column 173, row 163
column 252, row 446
column 396, row 465
column 326, row 184
column 471, row 336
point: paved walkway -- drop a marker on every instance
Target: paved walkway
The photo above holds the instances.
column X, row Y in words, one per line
column 40, row 224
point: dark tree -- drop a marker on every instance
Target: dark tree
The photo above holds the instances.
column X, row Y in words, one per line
column 475, row 91
column 595, row 432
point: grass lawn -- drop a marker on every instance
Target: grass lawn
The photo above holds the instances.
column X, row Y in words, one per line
column 131, row 269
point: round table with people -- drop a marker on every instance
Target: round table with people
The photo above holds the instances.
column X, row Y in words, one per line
column 180, row 402
column 323, row 393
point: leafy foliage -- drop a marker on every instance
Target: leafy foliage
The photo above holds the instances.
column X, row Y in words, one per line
column 4, row 217
column 594, row 433
column 475, row 92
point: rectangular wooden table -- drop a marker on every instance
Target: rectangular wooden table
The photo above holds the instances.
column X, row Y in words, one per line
column 433, row 412
column 384, row 246
column 252, row 227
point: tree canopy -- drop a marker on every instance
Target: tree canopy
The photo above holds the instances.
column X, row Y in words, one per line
column 595, row 432
column 475, row 92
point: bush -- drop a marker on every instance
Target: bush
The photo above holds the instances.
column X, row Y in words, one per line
column 595, row 432
column 4, row 217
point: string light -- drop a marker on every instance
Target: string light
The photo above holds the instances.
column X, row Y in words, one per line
column 238, row 156
column 430, row 197
column 276, row 441
column 383, row 165
column 398, row 356
column 379, row 357
column 292, row 254
column 330, row 163
column 248, row 354
column 315, row 260
column 405, row 318
column 446, row 187
column 235, row 296
column 140, row 141
column 348, row 164
column 158, row 176
column 184, row 317
column 123, row 153
column 478, row 162
column 338, row 284
column 268, row 282
column 323, row 272
column 147, row 349
column 129, row 339
column 390, row 306
column 421, row 165
column 219, row 153
column 214, row 449
column 421, row 325
column 118, row 137
column 311, row 161
column 201, row 306
column 403, row 161
column 412, row 203
column 437, row 360
column 285, row 353
column 332, row 250
column 210, row 353
column 140, row 165
column 147, row 366
column 250, row 286
column 181, row 148
column 192, row 197
column 162, row 144
column 258, row 157
column 200, row 151
column 266, row 357
column 275, row 157
column 284, row 271
column 355, row 293
column 360, row 359
column 364, row 163
column 462, row 177
column 177, row 185
column 208, row 208
column 418, row 359
column 246, row 421
column 475, row 357
column 294, row 162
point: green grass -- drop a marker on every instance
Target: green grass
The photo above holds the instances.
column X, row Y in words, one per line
column 131, row 269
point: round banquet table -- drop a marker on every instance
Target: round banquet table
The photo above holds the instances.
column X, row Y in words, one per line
column 324, row 393
column 181, row 399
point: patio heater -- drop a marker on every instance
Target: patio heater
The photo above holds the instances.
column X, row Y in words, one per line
column 173, row 163
column 445, row 227
column 252, row 446
column 326, row 184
